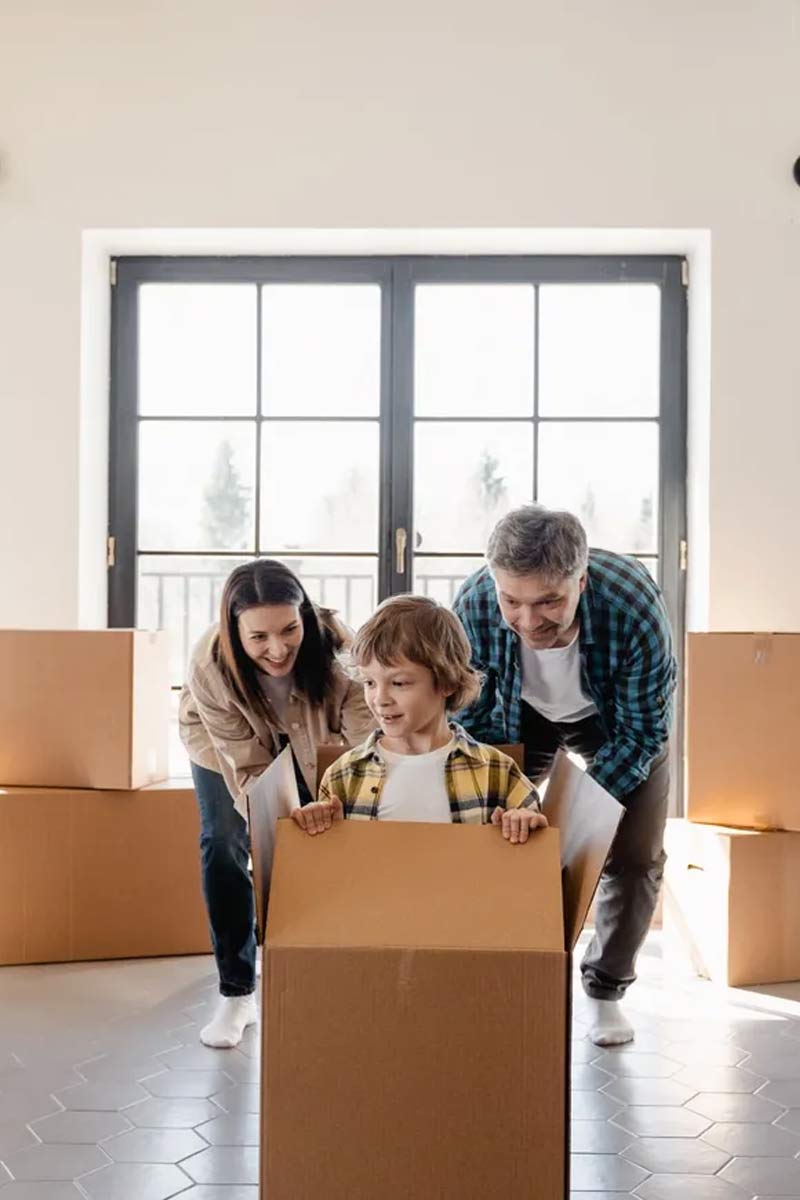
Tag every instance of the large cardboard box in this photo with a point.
(731, 899)
(93, 875)
(83, 708)
(416, 1004)
(742, 722)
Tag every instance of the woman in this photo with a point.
(268, 674)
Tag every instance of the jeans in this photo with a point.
(631, 879)
(228, 891)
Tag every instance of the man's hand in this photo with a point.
(317, 817)
(518, 823)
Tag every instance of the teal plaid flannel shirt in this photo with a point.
(627, 666)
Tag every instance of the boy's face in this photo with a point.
(402, 697)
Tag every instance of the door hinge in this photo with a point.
(111, 551)
(112, 271)
(684, 554)
(685, 272)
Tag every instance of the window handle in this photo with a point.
(400, 543)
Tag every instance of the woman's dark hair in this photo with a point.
(265, 581)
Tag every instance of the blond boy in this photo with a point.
(414, 660)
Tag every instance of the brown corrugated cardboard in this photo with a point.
(731, 898)
(83, 709)
(94, 874)
(742, 717)
(416, 1007)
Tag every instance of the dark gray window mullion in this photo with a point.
(124, 450)
(259, 425)
(401, 431)
(386, 437)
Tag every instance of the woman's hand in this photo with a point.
(518, 823)
(317, 817)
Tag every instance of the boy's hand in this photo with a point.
(517, 823)
(317, 817)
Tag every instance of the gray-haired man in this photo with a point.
(576, 651)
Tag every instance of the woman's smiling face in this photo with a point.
(271, 634)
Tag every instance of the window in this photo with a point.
(368, 420)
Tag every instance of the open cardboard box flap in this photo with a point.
(587, 818)
(419, 885)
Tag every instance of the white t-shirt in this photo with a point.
(414, 788)
(551, 682)
(277, 690)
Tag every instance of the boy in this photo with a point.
(414, 659)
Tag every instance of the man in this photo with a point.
(576, 652)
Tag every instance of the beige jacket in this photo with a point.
(224, 735)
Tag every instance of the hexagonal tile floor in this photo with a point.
(107, 1094)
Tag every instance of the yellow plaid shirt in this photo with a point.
(478, 778)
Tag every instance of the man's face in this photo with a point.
(539, 610)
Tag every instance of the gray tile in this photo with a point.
(774, 1065)
(241, 1098)
(584, 1051)
(101, 1097)
(790, 1120)
(175, 1114)
(767, 1176)
(649, 1091)
(598, 1137)
(785, 1092)
(752, 1139)
(591, 1195)
(14, 1135)
(593, 1106)
(41, 1191)
(242, 1129)
(705, 1078)
(661, 1121)
(609, 1171)
(179, 1085)
(154, 1145)
(587, 1078)
(730, 1106)
(715, 1054)
(76, 1128)
(119, 1069)
(136, 1181)
(244, 1191)
(197, 1058)
(23, 1105)
(689, 1187)
(682, 1156)
(224, 1164)
(248, 1192)
(245, 1070)
(55, 1162)
(645, 1066)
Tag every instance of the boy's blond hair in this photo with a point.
(424, 632)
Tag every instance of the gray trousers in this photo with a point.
(631, 880)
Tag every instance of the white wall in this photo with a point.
(429, 114)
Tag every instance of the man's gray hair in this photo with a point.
(534, 540)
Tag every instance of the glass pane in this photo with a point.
(607, 474)
(442, 577)
(652, 567)
(319, 486)
(599, 350)
(349, 585)
(197, 349)
(179, 767)
(474, 350)
(196, 485)
(321, 350)
(466, 476)
(182, 595)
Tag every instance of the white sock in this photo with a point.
(227, 1026)
(609, 1025)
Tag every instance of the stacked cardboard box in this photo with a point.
(98, 850)
(732, 888)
